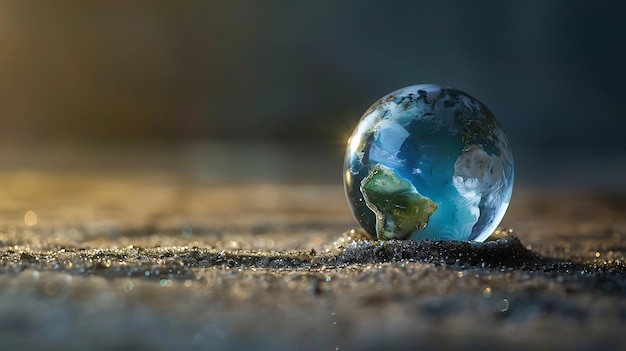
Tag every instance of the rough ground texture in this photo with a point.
(164, 261)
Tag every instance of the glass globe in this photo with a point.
(428, 162)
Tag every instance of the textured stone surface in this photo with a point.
(164, 260)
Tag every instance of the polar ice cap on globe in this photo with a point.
(428, 162)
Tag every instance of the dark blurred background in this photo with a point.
(303, 72)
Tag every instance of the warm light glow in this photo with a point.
(354, 142)
(30, 218)
(347, 177)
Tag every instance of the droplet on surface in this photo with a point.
(187, 232)
(503, 305)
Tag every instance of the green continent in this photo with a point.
(400, 209)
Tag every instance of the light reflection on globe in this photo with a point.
(428, 162)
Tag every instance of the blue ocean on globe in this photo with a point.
(428, 162)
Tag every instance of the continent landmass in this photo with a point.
(399, 208)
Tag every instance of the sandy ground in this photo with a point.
(106, 260)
